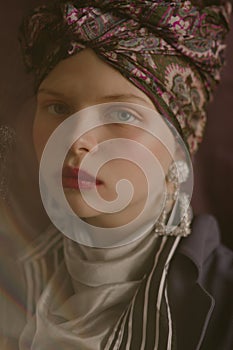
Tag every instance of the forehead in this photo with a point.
(87, 75)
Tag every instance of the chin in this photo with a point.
(83, 211)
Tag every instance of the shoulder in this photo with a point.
(204, 248)
(213, 261)
(214, 265)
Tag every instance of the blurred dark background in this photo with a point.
(213, 164)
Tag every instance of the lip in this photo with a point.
(78, 179)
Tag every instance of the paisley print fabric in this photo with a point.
(171, 50)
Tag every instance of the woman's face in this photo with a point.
(82, 81)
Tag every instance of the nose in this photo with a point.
(88, 142)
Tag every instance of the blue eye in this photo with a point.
(59, 109)
(122, 116)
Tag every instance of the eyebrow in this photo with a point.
(123, 97)
(50, 92)
(116, 97)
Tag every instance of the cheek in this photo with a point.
(41, 134)
(161, 153)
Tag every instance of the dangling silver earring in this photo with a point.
(7, 141)
(178, 172)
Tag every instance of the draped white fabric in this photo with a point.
(86, 297)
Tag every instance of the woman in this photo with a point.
(160, 290)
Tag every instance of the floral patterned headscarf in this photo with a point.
(171, 50)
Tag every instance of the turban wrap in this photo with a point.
(171, 50)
